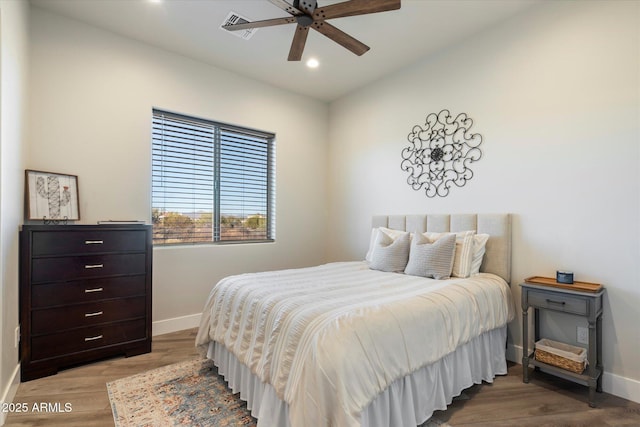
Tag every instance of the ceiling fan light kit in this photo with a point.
(306, 14)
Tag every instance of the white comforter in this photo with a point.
(330, 338)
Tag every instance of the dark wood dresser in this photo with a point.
(85, 294)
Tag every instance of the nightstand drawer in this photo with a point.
(79, 267)
(60, 344)
(87, 242)
(81, 291)
(558, 302)
(81, 315)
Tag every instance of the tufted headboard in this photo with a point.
(497, 258)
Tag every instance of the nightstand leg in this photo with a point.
(592, 393)
(599, 363)
(593, 361)
(525, 344)
(536, 328)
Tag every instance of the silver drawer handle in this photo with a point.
(97, 337)
(87, 291)
(93, 242)
(97, 313)
(94, 266)
(550, 301)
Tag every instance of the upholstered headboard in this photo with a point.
(497, 258)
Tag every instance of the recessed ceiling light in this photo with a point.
(154, 1)
(312, 63)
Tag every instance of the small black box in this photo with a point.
(565, 277)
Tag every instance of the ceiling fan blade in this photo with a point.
(341, 37)
(287, 7)
(355, 7)
(259, 24)
(299, 40)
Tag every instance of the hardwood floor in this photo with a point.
(545, 401)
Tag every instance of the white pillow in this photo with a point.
(429, 258)
(390, 254)
(374, 233)
(479, 248)
(464, 251)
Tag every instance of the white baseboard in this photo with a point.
(175, 324)
(514, 353)
(10, 392)
(626, 388)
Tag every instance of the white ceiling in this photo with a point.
(192, 28)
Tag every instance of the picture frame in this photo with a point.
(51, 196)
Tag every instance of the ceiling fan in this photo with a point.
(307, 14)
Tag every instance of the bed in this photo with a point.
(346, 345)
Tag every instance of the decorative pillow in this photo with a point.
(394, 234)
(431, 259)
(390, 254)
(479, 248)
(464, 251)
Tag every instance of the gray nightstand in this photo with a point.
(580, 299)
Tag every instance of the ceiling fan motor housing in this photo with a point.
(304, 20)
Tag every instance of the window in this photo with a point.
(211, 182)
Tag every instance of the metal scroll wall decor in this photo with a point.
(440, 152)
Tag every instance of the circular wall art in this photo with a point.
(440, 153)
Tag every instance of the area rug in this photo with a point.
(183, 394)
(190, 393)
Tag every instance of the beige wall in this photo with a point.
(555, 93)
(14, 39)
(91, 98)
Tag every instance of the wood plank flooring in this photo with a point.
(545, 401)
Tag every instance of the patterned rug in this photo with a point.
(183, 394)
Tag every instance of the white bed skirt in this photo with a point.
(407, 402)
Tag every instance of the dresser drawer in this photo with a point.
(59, 344)
(558, 302)
(75, 316)
(79, 267)
(86, 242)
(81, 291)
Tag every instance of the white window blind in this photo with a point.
(211, 182)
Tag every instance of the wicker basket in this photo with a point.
(562, 355)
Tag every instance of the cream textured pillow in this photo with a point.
(394, 234)
(479, 248)
(429, 259)
(464, 251)
(390, 254)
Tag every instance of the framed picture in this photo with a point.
(52, 196)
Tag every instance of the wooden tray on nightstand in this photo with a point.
(576, 286)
